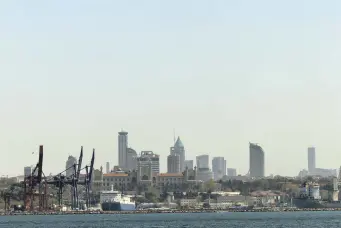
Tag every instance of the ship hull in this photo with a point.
(310, 203)
(117, 206)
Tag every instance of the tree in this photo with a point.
(210, 185)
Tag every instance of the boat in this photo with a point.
(309, 197)
(115, 201)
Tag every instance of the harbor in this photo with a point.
(154, 211)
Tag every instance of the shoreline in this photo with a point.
(170, 211)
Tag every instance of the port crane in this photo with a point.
(36, 184)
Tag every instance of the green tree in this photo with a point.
(210, 186)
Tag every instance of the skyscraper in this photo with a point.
(27, 171)
(122, 149)
(173, 163)
(218, 167)
(231, 172)
(203, 161)
(256, 161)
(179, 149)
(147, 158)
(311, 160)
(108, 167)
(69, 166)
(131, 157)
(189, 164)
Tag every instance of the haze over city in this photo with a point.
(222, 75)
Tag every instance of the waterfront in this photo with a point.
(212, 220)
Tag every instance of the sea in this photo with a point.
(175, 220)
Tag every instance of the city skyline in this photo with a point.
(221, 75)
(207, 160)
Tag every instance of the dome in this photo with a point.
(178, 143)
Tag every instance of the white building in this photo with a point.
(191, 202)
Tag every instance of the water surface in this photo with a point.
(211, 220)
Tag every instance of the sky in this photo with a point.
(221, 73)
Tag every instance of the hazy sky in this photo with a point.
(222, 73)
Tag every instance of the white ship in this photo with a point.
(115, 201)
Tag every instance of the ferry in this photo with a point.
(115, 201)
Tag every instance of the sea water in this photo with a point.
(177, 220)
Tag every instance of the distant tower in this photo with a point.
(131, 159)
(189, 164)
(256, 161)
(27, 171)
(173, 163)
(218, 167)
(122, 149)
(311, 160)
(68, 166)
(203, 161)
(108, 167)
(179, 149)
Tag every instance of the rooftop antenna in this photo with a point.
(174, 135)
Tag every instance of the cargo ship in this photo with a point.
(115, 201)
(309, 197)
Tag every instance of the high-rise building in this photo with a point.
(131, 159)
(173, 163)
(231, 172)
(311, 160)
(189, 164)
(203, 161)
(71, 161)
(108, 167)
(122, 149)
(256, 161)
(179, 149)
(148, 157)
(27, 171)
(218, 167)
